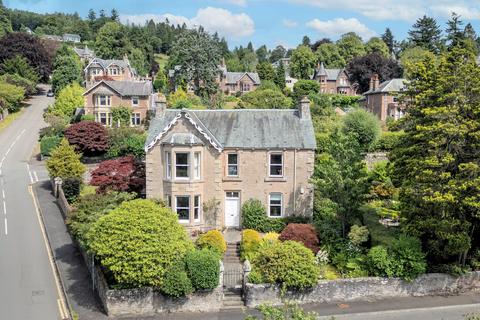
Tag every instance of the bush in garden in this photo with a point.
(271, 237)
(212, 240)
(249, 244)
(363, 126)
(287, 311)
(71, 188)
(126, 141)
(48, 143)
(287, 263)
(380, 263)
(203, 268)
(387, 141)
(64, 162)
(87, 117)
(90, 208)
(137, 242)
(122, 174)
(409, 259)
(358, 234)
(121, 116)
(19, 81)
(303, 233)
(254, 216)
(88, 137)
(326, 220)
(68, 99)
(176, 282)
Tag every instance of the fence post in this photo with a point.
(58, 185)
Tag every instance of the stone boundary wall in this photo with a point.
(364, 289)
(139, 301)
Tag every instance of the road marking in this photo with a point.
(4, 207)
(6, 228)
(35, 175)
(3, 193)
(62, 305)
(29, 173)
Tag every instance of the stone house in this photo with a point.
(114, 70)
(228, 82)
(382, 98)
(71, 37)
(102, 96)
(85, 54)
(206, 163)
(334, 81)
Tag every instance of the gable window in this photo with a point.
(103, 100)
(232, 165)
(275, 205)
(245, 86)
(196, 165)
(136, 119)
(135, 101)
(196, 208)
(182, 207)
(168, 165)
(181, 165)
(276, 165)
(113, 71)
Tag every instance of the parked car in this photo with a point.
(50, 93)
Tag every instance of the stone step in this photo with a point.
(228, 303)
(232, 298)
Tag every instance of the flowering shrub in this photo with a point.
(249, 245)
(303, 233)
(213, 240)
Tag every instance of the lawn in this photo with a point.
(161, 59)
(10, 118)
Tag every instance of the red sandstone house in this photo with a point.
(229, 82)
(382, 98)
(334, 81)
(102, 96)
(115, 70)
(207, 163)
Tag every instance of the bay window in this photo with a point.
(168, 165)
(196, 208)
(196, 165)
(181, 165)
(182, 207)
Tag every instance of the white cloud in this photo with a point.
(289, 23)
(406, 10)
(211, 19)
(339, 26)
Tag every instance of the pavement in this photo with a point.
(28, 285)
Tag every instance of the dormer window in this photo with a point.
(113, 71)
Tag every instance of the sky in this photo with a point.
(273, 22)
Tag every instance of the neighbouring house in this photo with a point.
(289, 81)
(334, 81)
(382, 98)
(284, 61)
(102, 96)
(207, 163)
(85, 54)
(52, 37)
(113, 70)
(71, 37)
(228, 82)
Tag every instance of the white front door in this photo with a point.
(232, 209)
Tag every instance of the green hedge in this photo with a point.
(203, 268)
(48, 143)
(254, 216)
(176, 282)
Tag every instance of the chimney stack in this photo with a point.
(160, 105)
(304, 108)
(374, 82)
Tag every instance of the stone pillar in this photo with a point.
(58, 184)
(220, 280)
(247, 268)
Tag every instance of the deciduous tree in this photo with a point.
(302, 62)
(351, 46)
(329, 54)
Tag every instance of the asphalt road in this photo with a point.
(28, 287)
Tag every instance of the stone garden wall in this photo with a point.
(364, 289)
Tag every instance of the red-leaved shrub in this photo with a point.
(300, 232)
(122, 174)
(88, 137)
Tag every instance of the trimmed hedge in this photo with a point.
(212, 240)
(254, 216)
(176, 282)
(203, 269)
(287, 263)
(303, 233)
(71, 188)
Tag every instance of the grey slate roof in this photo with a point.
(234, 77)
(180, 138)
(393, 85)
(127, 88)
(245, 128)
(332, 74)
(84, 51)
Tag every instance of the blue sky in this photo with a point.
(274, 22)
